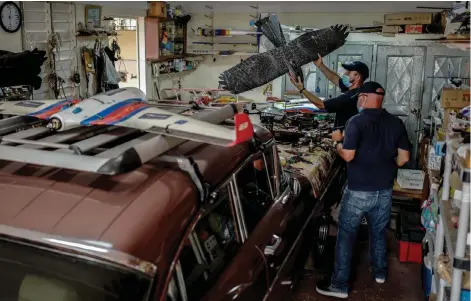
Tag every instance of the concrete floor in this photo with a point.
(403, 284)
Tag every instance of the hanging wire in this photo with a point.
(55, 82)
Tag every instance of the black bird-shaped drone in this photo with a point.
(262, 68)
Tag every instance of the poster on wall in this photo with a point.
(93, 16)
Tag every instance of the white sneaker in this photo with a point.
(380, 280)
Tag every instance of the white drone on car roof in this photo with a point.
(126, 107)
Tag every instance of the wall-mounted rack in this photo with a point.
(209, 37)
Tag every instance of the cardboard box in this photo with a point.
(455, 98)
(411, 179)
(446, 116)
(408, 18)
(391, 29)
(414, 29)
(157, 9)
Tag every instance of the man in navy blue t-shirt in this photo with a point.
(374, 144)
(345, 105)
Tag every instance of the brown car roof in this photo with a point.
(139, 213)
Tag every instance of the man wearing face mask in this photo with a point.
(374, 146)
(343, 105)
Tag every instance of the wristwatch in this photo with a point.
(301, 91)
(335, 144)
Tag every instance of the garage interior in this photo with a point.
(177, 55)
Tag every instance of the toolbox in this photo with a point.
(409, 234)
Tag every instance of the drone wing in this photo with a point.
(42, 109)
(155, 120)
(260, 69)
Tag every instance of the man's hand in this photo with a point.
(337, 136)
(318, 62)
(296, 82)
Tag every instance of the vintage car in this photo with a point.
(200, 223)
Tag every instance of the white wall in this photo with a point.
(10, 41)
(115, 8)
(309, 6)
(207, 73)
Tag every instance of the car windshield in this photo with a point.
(31, 273)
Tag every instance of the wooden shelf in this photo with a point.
(177, 73)
(92, 34)
(172, 57)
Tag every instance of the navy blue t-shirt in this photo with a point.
(344, 106)
(375, 135)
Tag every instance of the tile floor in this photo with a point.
(403, 284)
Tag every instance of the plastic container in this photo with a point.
(465, 295)
(410, 235)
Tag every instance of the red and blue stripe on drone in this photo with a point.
(116, 113)
(54, 108)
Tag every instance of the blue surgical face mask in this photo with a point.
(346, 81)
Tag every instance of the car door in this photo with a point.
(276, 239)
(266, 234)
(245, 274)
(294, 210)
(248, 276)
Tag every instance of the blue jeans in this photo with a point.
(376, 207)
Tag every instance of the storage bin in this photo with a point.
(410, 234)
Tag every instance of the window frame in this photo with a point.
(177, 280)
(237, 213)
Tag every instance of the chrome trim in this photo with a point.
(277, 169)
(181, 281)
(268, 175)
(196, 246)
(76, 247)
(235, 206)
(238, 209)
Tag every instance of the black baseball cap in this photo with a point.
(371, 87)
(359, 67)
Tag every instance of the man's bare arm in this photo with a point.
(346, 154)
(331, 75)
(403, 156)
(314, 99)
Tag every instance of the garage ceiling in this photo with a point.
(309, 6)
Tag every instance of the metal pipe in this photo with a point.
(461, 240)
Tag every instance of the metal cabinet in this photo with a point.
(442, 63)
(400, 70)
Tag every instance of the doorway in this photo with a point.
(127, 65)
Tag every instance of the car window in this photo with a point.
(31, 273)
(206, 252)
(255, 191)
